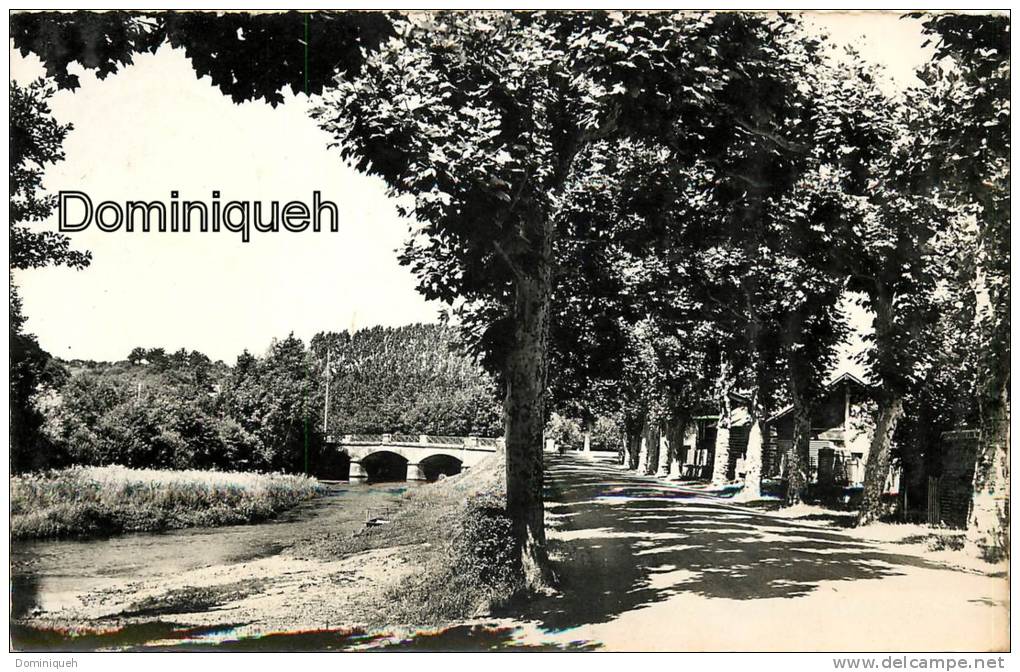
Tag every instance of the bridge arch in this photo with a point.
(384, 466)
(333, 465)
(421, 457)
(440, 464)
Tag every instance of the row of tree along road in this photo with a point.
(635, 211)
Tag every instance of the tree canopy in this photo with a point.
(633, 215)
(248, 56)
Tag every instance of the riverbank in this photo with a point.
(642, 566)
(430, 562)
(454, 539)
(82, 502)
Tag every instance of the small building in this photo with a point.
(697, 454)
(842, 426)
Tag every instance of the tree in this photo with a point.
(139, 415)
(944, 396)
(885, 251)
(412, 380)
(33, 373)
(482, 118)
(965, 161)
(815, 243)
(308, 48)
(737, 244)
(898, 284)
(36, 141)
(948, 161)
(273, 399)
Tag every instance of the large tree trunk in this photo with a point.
(634, 431)
(890, 409)
(755, 448)
(666, 450)
(525, 414)
(799, 457)
(642, 462)
(721, 461)
(876, 471)
(988, 522)
(753, 460)
(651, 448)
(753, 454)
(675, 437)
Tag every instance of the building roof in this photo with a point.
(845, 377)
(741, 399)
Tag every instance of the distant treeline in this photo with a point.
(181, 410)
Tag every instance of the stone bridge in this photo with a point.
(418, 457)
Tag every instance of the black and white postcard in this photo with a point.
(510, 330)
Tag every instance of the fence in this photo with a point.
(490, 443)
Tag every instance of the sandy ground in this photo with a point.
(642, 567)
(247, 579)
(652, 571)
(278, 593)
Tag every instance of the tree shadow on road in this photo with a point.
(622, 542)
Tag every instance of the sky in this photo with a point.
(154, 127)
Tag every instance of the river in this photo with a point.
(47, 575)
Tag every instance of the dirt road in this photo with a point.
(643, 567)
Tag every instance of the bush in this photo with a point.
(606, 434)
(475, 571)
(485, 547)
(566, 432)
(90, 501)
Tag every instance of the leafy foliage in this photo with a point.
(485, 546)
(566, 432)
(413, 380)
(248, 56)
(36, 141)
(87, 501)
(182, 411)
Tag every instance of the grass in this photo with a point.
(98, 501)
(457, 536)
(192, 599)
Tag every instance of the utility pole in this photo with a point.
(325, 410)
